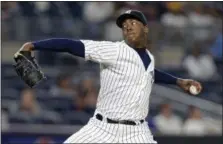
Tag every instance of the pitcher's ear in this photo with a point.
(146, 29)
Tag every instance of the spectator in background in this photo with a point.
(96, 13)
(152, 12)
(174, 17)
(29, 110)
(29, 104)
(4, 17)
(9, 16)
(89, 102)
(9, 9)
(75, 9)
(175, 22)
(200, 65)
(4, 121)
(87, 94)
(88, 85)
(201, 22)
(30, 23)
(216, 48)
(27, 9)
(90, 99)
(73, 18)
(78, 102)
(63, 86)
(166, 122)
(111, 31)
(194, 125)
(216, 52)
(42, 9)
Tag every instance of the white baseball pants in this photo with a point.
(97, 131)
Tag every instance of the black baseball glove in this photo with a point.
(27, 68)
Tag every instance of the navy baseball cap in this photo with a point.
(131, 14)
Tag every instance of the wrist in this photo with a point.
(27, 47)
(179, 81)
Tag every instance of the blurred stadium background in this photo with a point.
(186, 40)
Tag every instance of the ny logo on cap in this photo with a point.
(128, 12)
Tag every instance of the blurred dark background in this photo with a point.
(186, 40)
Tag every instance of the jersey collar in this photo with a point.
(137, 49)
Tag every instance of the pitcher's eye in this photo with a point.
(133, 23)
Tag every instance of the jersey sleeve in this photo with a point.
(104, 52)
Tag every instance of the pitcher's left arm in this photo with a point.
(185, 84)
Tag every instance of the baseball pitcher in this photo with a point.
(127, 74)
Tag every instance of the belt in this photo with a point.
(127, 122)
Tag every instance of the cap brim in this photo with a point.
(123, 17)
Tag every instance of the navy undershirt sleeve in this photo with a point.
(164, 78)
(74, 47)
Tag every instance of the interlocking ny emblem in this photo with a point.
(129, 11)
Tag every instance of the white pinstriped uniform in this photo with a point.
(124, 95)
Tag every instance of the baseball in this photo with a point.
(193, 90)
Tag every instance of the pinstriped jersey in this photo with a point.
(125, 83)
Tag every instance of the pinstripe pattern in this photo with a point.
(137, 134)
(124, 94)
(125, 86)
(94, 132)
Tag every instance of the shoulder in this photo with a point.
(205, 56)
(177, 118)
(189, 58)
(98, 42)
(99, 45)
(158, 117)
